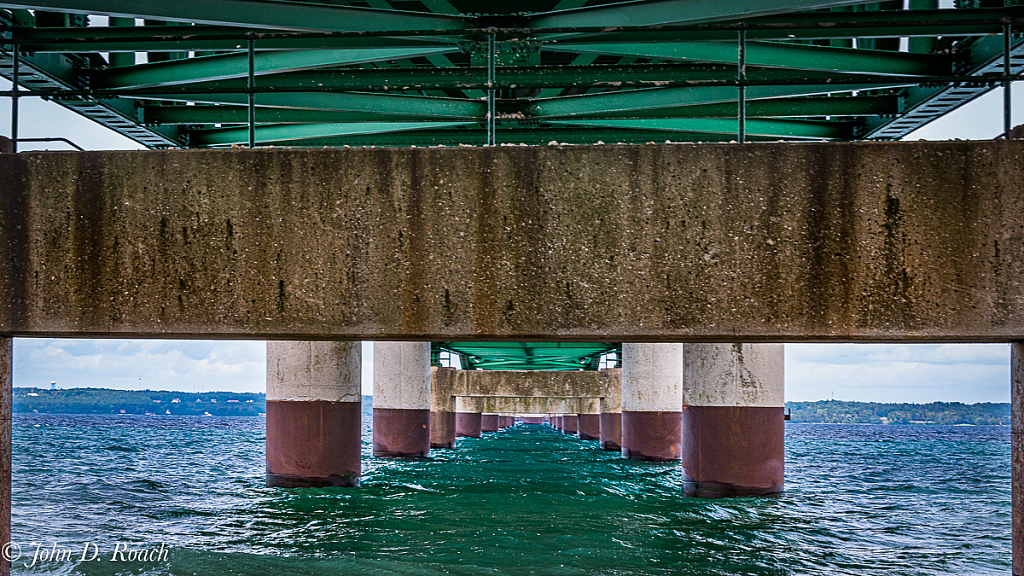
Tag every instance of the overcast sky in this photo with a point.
(864, 372)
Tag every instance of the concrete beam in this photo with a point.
(902, 241)
(530, 384)
(508, 405)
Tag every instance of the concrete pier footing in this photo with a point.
(6, 409)
(313, 414)
(652, 400)
(467, 420)
(442, 408)
(401, 399)
(570, 424)
(489, 422)
(1017, 453)
(733, 426)
(588, 426)
(611, 410)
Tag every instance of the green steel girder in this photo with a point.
(259, 14)
(777, 108)
(646, 99)
(225, 66)
(394, 105)
(296, 133)
(765, 127)
(662, 12)
(527, 355)
(775, 55)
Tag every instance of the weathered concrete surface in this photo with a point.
(314, 371)
(442, 408)
(552, 405)
(903, 241)
(401, 375)
(734, 375)
(1017, 449)
(6, 409)
(530, 384)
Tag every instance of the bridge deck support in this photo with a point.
(489, 423)
(401, 399)
(313, 414)
(1017, 442)
(652, 401)
(6, 405)
(611, 410)
(467, 420)
(588, 426)
(442, 408)
(733, 423)
(570, 424)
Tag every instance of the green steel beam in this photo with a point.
(775, 55)
(299, 132)
(225, 66)
(638, 14)
(781, 107)
(259, 14)
(770, 128)
(392, 104)
(627, 100)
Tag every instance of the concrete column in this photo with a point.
(652, 401)
(733, 419)
(611, 410)
(1017, 451)
(313, 414)
(467, 419)
(489, 423)
(6, 382)
(442, 408)
(401, 399)
(588, 426)
(570, 424)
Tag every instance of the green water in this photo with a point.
(529, 500)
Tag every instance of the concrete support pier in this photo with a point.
(401, 399)
(489, 422)
(442, 408)
(611, 410)
(652, 401)
(467, 419)
(6, 408)
(588, 426)
(733, 419)
(570, 424)
(313, 414)
(1017, 451)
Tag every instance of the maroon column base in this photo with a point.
(611, 431)
(557, 423)
(401, 433)
(489, 423)
(569, 424)
(313, 444)
(442, 429)
(467, 424)
(733, 451)
(651, 436)
(588, 426)
(533, 420)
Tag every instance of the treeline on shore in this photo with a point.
(946, 413)
(107, 401)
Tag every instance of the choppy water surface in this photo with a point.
(529, 500)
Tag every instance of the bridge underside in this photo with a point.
(674, 243)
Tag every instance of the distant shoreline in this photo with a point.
(97, 401)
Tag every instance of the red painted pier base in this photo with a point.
(732, 450)
(442, 429)
(311, 444)
(651, 436)
(557, 423)
(489, 423)
(533, 420)
(467, 424)
(401, 432)
(569, 424)
(611, 431)
(588, 426)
